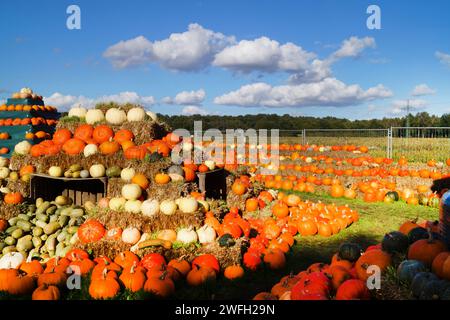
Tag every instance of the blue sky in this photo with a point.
(232, 57)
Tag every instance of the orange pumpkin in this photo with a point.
(13, 198)
(83, 132)
(109, 147)
(140, 180)
(102, 133)
(61, 135)
(73, 146)
(28, 169)
(162, 178)
(123, 135)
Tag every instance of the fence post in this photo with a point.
(389, 143)
(303, 136)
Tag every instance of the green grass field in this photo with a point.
(376, 219)
(415, 149)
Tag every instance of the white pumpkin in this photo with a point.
(90, 150)
(94, 115)
(4, 173)
(115, 116)
(4, 162)
(131, 235)
(55, 171)
(133, 206)
(187, 235)
(84, 174)
(187, 205)
(26, 90)
(97, 170)
(152, 115)
(210, 164)
(11, 260)
(5, 190)
(79, 112)
(150, 207)
(22, 148)
(127, 174)
(206, 234)
(131, 191)
(168, 207)
(117, 203)
(136, 114)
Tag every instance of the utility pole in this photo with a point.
(407, 118)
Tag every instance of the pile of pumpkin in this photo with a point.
(345, 277)
(107, 278)
(371, 190)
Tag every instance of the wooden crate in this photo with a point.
(213, 183)
(79, 190)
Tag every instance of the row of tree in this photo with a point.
(288, 122)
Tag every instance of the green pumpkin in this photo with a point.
(418, 233)
(395, 242)
(226, 240)
(349, 251)
(388, 199)
(433, 202)
(407, 270)
(113, 172)
(393, 195)
(434, 290)
(419, 281)
(423, 200)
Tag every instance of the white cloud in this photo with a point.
(328, 92)
(263, 54)
(400, 106)
(65, 102)
(444, 58)
(353, 47)
(186, 98)
(191, 50)
(191, 110)
(198, 48)
(422, 90)
(130, 53)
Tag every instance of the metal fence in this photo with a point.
(418, 144)
(421, 143)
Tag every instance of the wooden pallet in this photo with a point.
(213, 183)
(79, 190)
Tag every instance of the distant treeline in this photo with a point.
(288, 122)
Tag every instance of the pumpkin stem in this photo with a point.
(104, 273)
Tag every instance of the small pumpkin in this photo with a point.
(395, 242)
(408, 269)
(46, 292)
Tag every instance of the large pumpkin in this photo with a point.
(102, 133)
(425, 250)
(61, 135)
(73, 146)
(375, 257)
(123, 135)
(136, 152)
(109, 147)
(91, 231)
(83, 132)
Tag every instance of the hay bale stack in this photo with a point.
(153, 224)
(19, 186)
(144, 131)
(8, 211)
